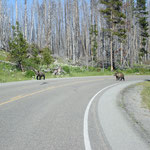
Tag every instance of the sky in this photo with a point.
(11, 3)
(29, 1)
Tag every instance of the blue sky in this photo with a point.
(29, 1)
(11, 3)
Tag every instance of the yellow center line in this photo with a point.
(46, 89)
(11, 100)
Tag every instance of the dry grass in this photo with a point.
(146, 94)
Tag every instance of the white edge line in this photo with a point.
(86, 114)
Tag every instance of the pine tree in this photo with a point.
(33, 59)
(47, 58)
(115, 23)
(142, 16)
(18, 47)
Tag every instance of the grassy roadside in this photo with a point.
(145, 94)
(3, 55)
(9, 73)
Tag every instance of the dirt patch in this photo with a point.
(140, 116)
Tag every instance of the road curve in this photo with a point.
(119, 129)
(49, 114)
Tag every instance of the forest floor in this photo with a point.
(138, 112)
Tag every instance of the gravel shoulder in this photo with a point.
(139, 115)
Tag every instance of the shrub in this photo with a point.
(47, 58)
(137, 70)
(66, 69)
(29, 73)
(91, 69)
(129, 71)
(76, 69)
(31, 63)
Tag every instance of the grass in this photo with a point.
(9, 73)
(3, 55)
(87, 73)
(145, 94)
(136, 71)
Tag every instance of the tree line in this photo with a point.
(104, 33)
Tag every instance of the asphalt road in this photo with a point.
(54, 114)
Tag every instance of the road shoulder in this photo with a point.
(132, 105)
(117, 126)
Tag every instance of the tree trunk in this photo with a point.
(121, 54)
(25, 19)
